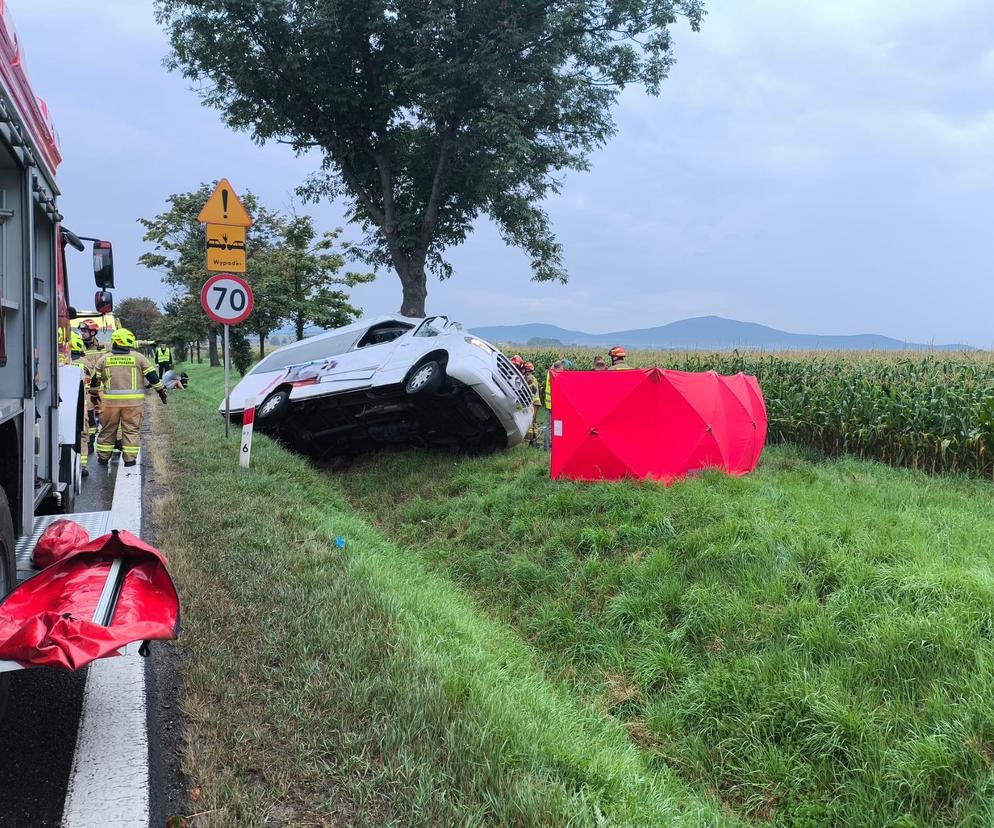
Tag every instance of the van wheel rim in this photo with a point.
(420, 379)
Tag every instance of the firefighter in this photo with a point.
(528, 372)
(617, 354)
(163, 357)
(79, 358)
(88, 330)
(556, 366)
(93, 349)
(121, 375)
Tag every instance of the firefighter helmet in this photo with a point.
(76, 343)
(123, 338)
(528, 368)
(617, 352)
(89, 326)
(517, 361)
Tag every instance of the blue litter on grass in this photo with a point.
(340, 542)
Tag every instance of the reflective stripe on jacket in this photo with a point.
(121, 375)
(533, 385)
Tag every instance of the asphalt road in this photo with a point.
(38, 730)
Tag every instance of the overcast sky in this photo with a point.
(824, 166)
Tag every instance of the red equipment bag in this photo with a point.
(654, 423)
(48, 620)
(58, 540)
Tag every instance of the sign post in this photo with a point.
(226, 298)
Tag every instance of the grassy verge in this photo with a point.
(813, 643)
(357, 685)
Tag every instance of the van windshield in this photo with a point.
(308, 351)
(432, 326)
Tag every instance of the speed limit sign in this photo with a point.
(226, 299)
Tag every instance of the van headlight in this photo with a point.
(479, 343)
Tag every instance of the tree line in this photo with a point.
(299, 277)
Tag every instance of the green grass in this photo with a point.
(360, 686)
(813, 643)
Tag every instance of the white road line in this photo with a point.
(108, 785)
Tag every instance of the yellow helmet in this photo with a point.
(123, 338)
(76, 343)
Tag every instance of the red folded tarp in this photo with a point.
(654, 423)
(48, 620)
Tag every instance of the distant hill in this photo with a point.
(704, 332)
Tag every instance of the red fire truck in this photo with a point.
(41, 392)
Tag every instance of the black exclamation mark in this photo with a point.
(224, 202)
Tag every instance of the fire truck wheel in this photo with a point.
(68, 474)
(8, 575)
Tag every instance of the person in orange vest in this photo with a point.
(121, 375)
(617, 354)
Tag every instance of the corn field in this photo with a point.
(928, 411)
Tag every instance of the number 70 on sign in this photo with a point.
(227, 299)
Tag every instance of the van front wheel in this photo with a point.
(425, 380)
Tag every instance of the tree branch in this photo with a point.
(435, 197)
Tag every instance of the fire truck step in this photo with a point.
(96, 523)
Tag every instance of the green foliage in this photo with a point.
(297, 277)
(813, 642)
(139, 314)
(241, 351)
(429, 114)
(926, 411)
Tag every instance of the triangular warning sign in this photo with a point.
(224, 207)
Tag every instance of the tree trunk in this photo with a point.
(212, 349)
(199, 359)
(415, 286)
(299, 322)
(262, 345)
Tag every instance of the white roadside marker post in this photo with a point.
(248, 419)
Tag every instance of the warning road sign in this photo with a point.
(224, 207)
(225, 248)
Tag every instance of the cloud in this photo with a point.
(819, 166)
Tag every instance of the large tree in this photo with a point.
(139, 314)
(429, 113)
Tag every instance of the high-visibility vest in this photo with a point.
(121, 375)
(163, 355)
(548, 389)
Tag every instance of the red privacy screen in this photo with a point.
(653, 423)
